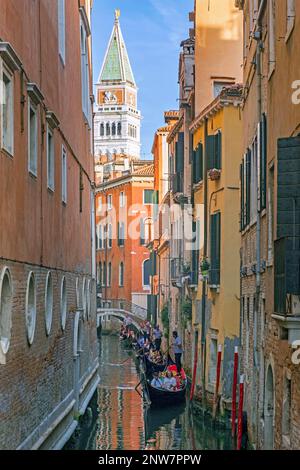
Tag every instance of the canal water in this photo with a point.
(124, 422)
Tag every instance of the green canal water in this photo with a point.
(118, 418)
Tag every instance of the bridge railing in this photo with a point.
(122, 304)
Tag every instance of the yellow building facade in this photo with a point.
(217, 136)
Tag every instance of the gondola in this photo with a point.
(153, 366)
(159, 396)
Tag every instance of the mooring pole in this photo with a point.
(234, 385)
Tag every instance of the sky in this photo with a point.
(153, 31)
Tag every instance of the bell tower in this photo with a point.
(117, 119)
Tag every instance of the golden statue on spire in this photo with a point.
(117, 14)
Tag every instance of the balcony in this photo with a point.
(287, 285)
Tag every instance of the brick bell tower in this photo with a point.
(117, 120)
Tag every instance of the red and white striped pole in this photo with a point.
(240, 415)
(219, 360)
(234, 385)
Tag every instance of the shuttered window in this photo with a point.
(198, 164)
(248, 186)
(242, 224)
(263, 162)
(214, 151)
(215, 249)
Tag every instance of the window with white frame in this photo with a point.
(253, 190)
(62, 29)
(32, 138)
(77, 293)
(84, 72)
(109, 202)
(84, 296)
(109, 236)
(48, 303)
(64, 172)
(88, 299)
(63, 303)
(50, 158)
(122, 199)
(5, 313)
(109, 275)
(30, 308)
(146, 273)
(290, 17)
(121, 274)
(272, 38)
(7, 111)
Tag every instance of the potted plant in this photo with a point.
(204, 266)
(214, 174)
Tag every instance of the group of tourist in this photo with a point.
(166, 381)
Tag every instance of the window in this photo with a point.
(109, 236)
(86, 105)
(109, 275)
(104, 275)
(213, 361)
(109, 202)
(148, 196)
(77, 293)
(5, 313)
(290, 18)
(148, 230)
(108, 129)
(63, 303)
(88, 300)
(30, 310)
(198, 164)
(215, 249)
(122, 199)
(253, 184)
(270, 214)
(214, 150)
(61, 30)
(101, 129)
(64, 191)
(119, 128)
(121, 274)
(84, 297)
(272, 38)
(32, 138)
(113, 129)
(121, 233)
(218, 87)
(100, 274)
(50, 159)
(142, 232)
(146, 273)
(7, 112)
(48, 303)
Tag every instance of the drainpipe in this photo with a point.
(203, 319)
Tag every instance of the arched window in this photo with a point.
(109, 236)
(5, 310)
(30, 310)
(77, 293)
(84, 305)
(109, 275)
(148, 228)
(88, 299)
(108, 129)
(119, 128)
(146, 272)
(104, 275)
(63, 303)
(100, 275)
(121, 274)
(113, 129)
(102, 129)
(48, 303)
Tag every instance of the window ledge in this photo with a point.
(10, 57)
(32, 175)
(50, 190)
(272, 69)
(7, 153)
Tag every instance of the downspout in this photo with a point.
(203, 319)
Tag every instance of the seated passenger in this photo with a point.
(169, 382)
(156, 381)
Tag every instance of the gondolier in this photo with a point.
(177, 349)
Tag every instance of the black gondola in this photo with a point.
(160, 396)
(153, 366)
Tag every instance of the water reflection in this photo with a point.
(124, 423)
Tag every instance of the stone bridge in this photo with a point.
(120, 309)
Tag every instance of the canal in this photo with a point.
(123, 422)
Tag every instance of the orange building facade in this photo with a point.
(48, 344)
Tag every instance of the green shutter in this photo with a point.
(200, 161)
(210, 151)
(215, 249)
(242, 195)
(263, 162)
(248, 185)
(218, 151)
